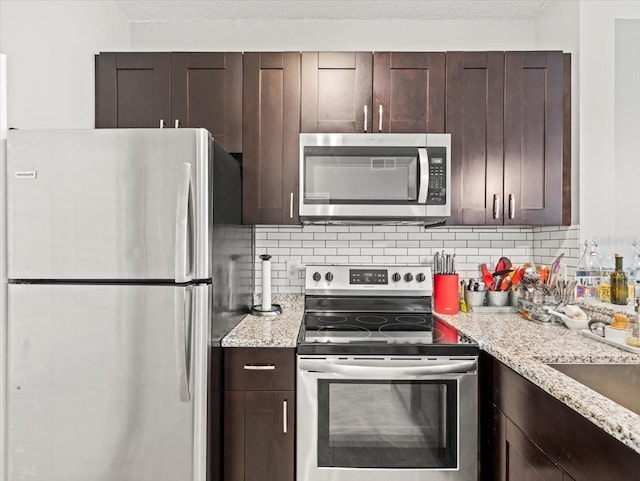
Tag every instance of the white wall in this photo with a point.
(50, 47)
(366, 35)
(627, 128)
(605, 210)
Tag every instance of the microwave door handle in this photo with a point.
(358, 371)
(424, 175)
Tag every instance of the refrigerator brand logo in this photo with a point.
(26, 174)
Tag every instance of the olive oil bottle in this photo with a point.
(619, 288)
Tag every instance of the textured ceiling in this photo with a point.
(191, 10)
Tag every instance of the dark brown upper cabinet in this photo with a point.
(537, 138)
(357, 92)
(408, 92)
(509, 115)
(271, 137)
(147, 90)
(336, 92)
(206, 91)
(133, 89)
(475, 119)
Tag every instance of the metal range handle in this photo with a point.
(423, 159)
(496, 206)
(285, 416)
(259, 367)
(365, 118)
(512, 206)
(184, 211)
(380, 118)
(357, 370)
(182, 319)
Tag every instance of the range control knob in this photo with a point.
(420, 277)
(316, 276)
(396, 277)
(408, 277)
(328, 276)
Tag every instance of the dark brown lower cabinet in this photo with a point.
(520, 459)
(530, 435)
(259, 414)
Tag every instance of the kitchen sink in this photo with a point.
(618, 382)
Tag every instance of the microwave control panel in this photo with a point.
(437, 189)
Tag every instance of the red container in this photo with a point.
(446, 289)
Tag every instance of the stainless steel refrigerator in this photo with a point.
(124, 251)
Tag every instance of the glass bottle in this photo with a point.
(588, 273)
(607, 266)
(619, 289)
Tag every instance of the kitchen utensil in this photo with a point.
(502, 273)
(487, 278)
(517, 277)
(555, 267)
(503, 263)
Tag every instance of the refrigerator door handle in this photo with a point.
(181, 348)
(184, 225)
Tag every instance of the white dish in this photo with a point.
(623, 346)
(571, 323)
(616, 334)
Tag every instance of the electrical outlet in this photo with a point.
(292, 270)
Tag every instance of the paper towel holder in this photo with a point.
(266, 308)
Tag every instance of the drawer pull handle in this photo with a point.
(285, 420)
(259, 367)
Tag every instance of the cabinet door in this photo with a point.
(258, 437)
(336, 92)
(206, 91)
(271, 131)
(520, 459)
(537, 138)
(475, 118)
(133, 90)
(408, 92)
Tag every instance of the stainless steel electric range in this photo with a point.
(385, 391)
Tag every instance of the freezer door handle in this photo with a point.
(183, 312)
(184, 226)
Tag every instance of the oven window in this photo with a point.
(347, 175)
(387, 424)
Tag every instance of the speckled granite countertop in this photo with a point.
(526, 347)
(277, 331)
(522, 345)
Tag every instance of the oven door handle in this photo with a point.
(358, 370)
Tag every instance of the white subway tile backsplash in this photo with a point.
(317, 244)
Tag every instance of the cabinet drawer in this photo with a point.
(259, 369)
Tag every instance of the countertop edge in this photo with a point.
(606, 414)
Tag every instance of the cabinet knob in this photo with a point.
(496, 206)
(162, 123)
(380, 118)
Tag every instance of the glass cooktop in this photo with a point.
(354, 327)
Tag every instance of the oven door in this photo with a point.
(368, 176)
(387, 419)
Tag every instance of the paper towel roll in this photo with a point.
(266, 282)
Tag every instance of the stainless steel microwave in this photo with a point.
(375, 178)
